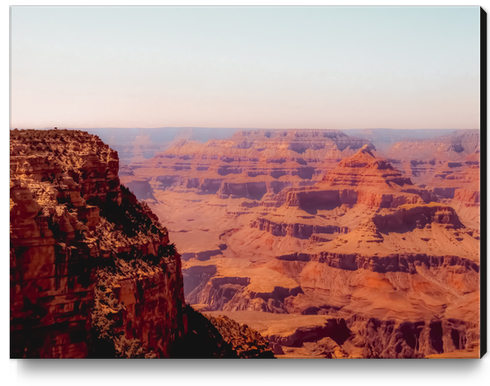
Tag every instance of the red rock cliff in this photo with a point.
(92, 272)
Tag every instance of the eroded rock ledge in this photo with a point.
(396, 262)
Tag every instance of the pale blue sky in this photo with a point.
(295, 67)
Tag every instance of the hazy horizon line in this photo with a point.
(230, 127)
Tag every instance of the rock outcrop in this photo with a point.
(92, 270)
(323, 336)
(361, 179)
(245, 341)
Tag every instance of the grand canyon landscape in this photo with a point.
(284, 184)
(257, 243)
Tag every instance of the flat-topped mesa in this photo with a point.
(91, 268)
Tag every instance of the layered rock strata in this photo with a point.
(356, 257)
(92, 270)
(448, 167)
(249, 164)
(422, 159)
(322, 336)
(361, 179)
(398, 271)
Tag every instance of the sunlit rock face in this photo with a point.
(92, 271)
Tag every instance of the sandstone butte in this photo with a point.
(321, 244)
(92, 270)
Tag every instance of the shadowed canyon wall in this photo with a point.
(92, 270)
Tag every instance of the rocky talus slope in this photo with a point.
(92, 270)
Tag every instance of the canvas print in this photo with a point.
(245, 182)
